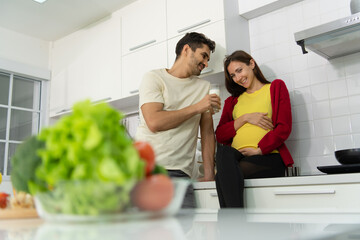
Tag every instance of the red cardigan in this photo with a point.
(281, 117)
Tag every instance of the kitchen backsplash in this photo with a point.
(325, 95)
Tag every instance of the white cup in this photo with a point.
(215, 89)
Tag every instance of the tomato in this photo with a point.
(146, 153)
(153, 193)
(3, 199)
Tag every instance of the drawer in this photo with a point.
(207, 198)
(312, 198)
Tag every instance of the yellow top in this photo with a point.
(249, 135)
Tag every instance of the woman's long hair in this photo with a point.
(240, 56)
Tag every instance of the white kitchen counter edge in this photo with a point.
(291, 181)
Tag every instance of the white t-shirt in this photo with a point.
(174, 148)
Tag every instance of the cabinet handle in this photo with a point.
(134, 91)
(101, 100)
(194, 25)
(213, 194)
(304, 192)
(207, 70)
(62, 111)
(142, 45)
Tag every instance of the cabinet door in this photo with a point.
(183, 16)
(95, 72)
(58, 88)
(87, 65)
(136, 64)
(143, 24)
(214, 31)
(207, 198)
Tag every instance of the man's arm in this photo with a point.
(207, 146)
(159, 120)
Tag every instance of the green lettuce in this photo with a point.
(88, 146)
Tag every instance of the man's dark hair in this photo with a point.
(194, 40)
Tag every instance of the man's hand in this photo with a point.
(209, 102)
(250, 151)
(206, 179)
(259, 119)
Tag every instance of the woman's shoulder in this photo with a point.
(231, 100)
(277, 82)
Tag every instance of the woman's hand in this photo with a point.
(250, 151)
(259, 119)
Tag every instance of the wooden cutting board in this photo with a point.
(18, 213)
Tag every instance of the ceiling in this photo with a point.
(54, 19)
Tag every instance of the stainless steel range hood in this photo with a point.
(333, 39)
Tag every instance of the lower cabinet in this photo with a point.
(320, 198)
(312, 198)
(207, 198)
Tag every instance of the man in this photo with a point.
(173, 104)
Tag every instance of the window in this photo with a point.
(20, 114)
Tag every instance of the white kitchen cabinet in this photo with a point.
(87, 65)
(58, 88)
(136, 64)
(304, 194)
(309, 198)
(215, 32)
(207, 198)
(252, 9)
(229, 31)
(183, 16)
(143, 24)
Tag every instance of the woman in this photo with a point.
(255, 122)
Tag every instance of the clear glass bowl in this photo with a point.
(80, 202)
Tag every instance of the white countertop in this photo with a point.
(291, 181)
(189, 225)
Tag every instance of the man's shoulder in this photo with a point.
(155, 72)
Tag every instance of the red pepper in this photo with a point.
(3, 199)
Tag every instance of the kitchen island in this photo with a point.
(194, 224)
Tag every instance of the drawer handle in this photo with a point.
(305, 192)
(101, 100)
(134, 91)
(213, 194)
(142, 45)
(62, 111)
(194, 25)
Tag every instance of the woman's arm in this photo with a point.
(225, 130)
(282, 118)
(227, 127)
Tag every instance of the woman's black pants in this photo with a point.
(233, 167)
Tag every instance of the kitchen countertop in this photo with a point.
(199, 224)
(292, 181)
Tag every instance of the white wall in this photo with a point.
(325, 95)
(24, 54)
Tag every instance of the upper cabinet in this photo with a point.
(143, 25)
(144, 45)
(135, 65)
(107, 60)
(185, 15)
(215, 32)
(252, 9)
(86, 65)
(219, 20)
